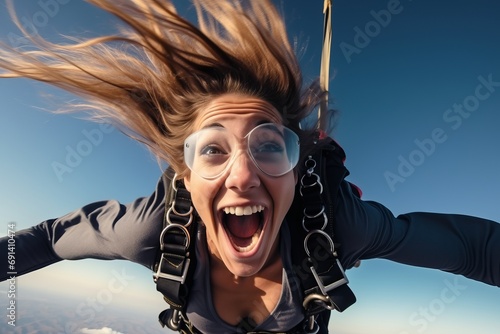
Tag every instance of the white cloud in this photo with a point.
(104, 330)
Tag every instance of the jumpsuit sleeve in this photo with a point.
(459, 244)
(102, 230)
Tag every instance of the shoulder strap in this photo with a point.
(316, 263)
(175, 265)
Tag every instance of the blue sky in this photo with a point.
(399, 82)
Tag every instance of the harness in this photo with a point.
(316, 264)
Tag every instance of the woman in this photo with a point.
(173, 87)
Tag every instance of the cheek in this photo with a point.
(283, 194)
(202, 195)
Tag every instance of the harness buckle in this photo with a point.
(159, 274)
(325, 289)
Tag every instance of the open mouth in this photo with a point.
(243, 225)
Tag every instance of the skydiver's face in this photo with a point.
(241, 206)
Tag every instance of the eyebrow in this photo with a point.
(264, 122)
(279, 133)
(212, 125)
(218, 125)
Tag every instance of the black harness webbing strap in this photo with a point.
(175, 264)
(316, 264)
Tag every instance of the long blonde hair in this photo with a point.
(157, 73)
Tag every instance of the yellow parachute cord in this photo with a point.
(325, 64)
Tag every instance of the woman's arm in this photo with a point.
(459, 244)
(101, 230)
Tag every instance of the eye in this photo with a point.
(211, 150)
(269, 152)
(269, 147)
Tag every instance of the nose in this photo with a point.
(243, 174)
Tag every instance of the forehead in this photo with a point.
(236, 107)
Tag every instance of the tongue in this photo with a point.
(243, 226)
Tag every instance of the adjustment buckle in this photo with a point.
(325, 289)
(160, 274)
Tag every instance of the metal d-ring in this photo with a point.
(174, 181)
(172, 208)
(185, 225)
(314, 215)
(325, 221)
(315, 183)
(180, 227)
(323, 233)
(310, 164)
(327, 302)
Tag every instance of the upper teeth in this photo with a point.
(243, 210)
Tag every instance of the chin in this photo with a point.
(245, 271)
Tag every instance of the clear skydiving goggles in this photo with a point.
(273, 148)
